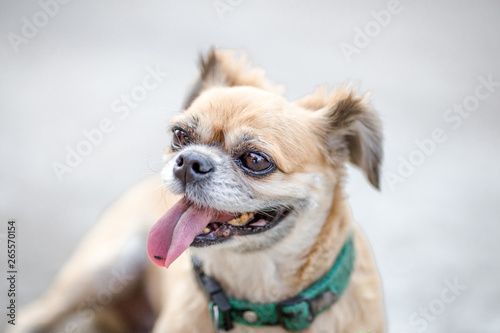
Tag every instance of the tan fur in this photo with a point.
(324, 251)
(233, 107)
(230, 68)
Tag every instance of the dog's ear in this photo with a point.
(228, 68)
(351, 128)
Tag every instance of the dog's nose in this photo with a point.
(191, 166)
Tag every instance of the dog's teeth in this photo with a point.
(206, 230)
(235, 222)
(244, 218)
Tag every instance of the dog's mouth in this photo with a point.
(241, 225)
(186, 224)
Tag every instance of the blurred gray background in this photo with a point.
(435, 223)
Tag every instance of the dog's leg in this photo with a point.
(104, 267)
(107, 265)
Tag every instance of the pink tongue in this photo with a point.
(175, 231)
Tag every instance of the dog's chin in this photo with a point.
(242, 225)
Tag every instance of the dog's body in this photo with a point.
(251, 151)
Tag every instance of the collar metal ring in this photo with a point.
(215, 309)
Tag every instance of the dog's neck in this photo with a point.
(291, 265)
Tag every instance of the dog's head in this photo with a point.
(249, 164)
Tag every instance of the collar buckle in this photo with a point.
(295, 313)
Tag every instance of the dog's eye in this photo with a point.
(258, 163)
(181, 138)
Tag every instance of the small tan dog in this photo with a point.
(255, 192)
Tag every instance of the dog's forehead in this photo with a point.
(224, 114)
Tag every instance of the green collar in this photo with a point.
(293, 314)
